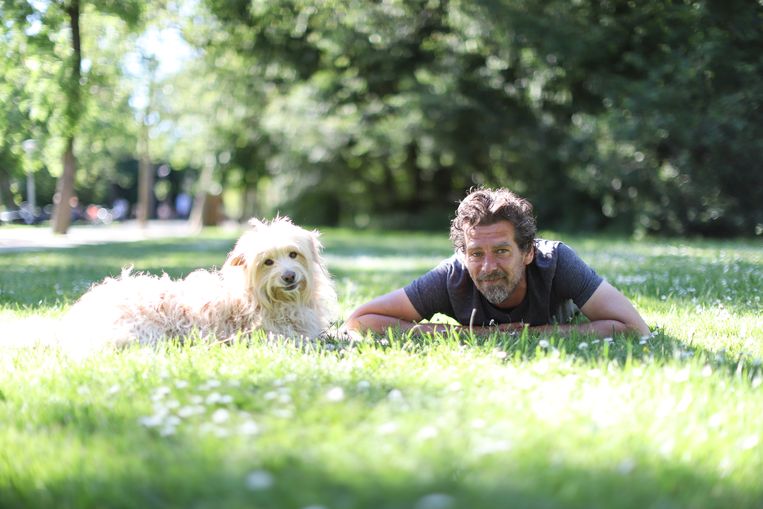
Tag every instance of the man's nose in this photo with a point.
(489, 263)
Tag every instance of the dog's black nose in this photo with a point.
(288, 277)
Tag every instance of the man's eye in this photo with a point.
(293, 254)
(475, 255)
(268, 262)
(502, 251)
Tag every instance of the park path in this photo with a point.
(34, 238)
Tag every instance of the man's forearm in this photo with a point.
(381, 323)
(377, 323)
(601, 328)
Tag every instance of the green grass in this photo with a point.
(437, 422)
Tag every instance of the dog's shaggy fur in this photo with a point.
(274, 280)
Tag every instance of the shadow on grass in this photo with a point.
(127, 250)
(53, 277)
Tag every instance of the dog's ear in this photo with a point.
(237, 256)
(235, 259)
(315, 244)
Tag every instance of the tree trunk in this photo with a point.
(145, 181)
(145, 168)
(414, 199)
(62, 215)
(249, 200)
(6, 196)
(197, 219)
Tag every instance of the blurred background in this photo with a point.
(632, 117)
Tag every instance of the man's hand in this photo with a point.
(512, 327)
(395, 310)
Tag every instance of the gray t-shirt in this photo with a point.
(554, 277)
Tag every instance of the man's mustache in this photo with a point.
(492, 276)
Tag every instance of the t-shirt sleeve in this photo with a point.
(574, 278)
(429, 293)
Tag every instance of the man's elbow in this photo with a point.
(636, 328)
(362, 322)
(354, 322)
(353, 328)
(611, 327)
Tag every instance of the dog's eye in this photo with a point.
(268, 262)
(293, 254)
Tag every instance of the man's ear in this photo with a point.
(529, 256)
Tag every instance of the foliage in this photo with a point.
(52, 109)
(20, 115)
(396, 421)
(647, 115)
(639, 117)
(664, 104)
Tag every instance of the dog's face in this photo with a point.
(279, 259)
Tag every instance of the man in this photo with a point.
(502, 278)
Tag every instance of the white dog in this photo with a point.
(274, 280)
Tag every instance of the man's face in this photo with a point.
(496, 264)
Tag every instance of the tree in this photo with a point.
(380, 109)
(663, 119)
(21, 118)
(145, 168)
(62, 214)
(48, 20)
(646, 114)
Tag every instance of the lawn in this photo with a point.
(435, 422)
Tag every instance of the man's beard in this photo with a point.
(497, 291)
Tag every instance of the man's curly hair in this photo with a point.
(484, 207)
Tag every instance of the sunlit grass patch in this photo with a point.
(372, 422)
